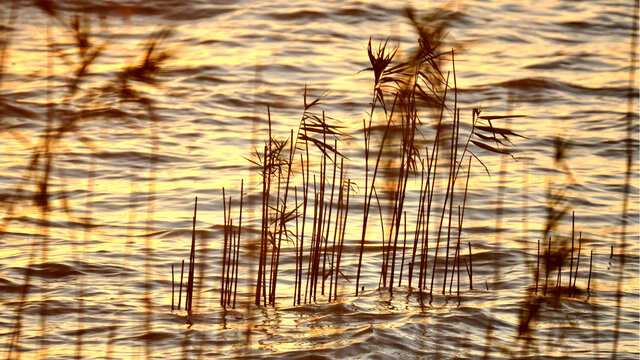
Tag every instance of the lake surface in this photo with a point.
(86, 267)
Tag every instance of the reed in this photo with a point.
(575, 277)
(224, 249)
(237, 261)
(470, 268)
(172, 287)
(573, 231)
(590, 269)
(337, 226)
(341, 243)
(180, 291)
(538, 267)
(192, 261)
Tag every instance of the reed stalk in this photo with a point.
(573, 230)
(455, 132)
(192, 260)
(296, 246)
(283, 218)
(341, 246)
(547, 270)
(336, 230)
(180, 291)
(235, 285)
(419, 220)
(575, 276)
(590, 269)
(470, 268)
(224, 249)
(404, 246)
(328, 226)
(537, 267)
(172, 287)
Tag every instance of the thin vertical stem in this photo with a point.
(404, 246)
(235, 285)
(470, 268)
(573, 228)
(180, 291)
(537, 267)
(575, 277)
(590, 269)
(224, 249)
(344, 226)
(192, 260)
(173, 285)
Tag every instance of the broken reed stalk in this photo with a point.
(180, 291)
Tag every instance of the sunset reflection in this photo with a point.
(342, 179)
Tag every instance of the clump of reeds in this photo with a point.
(418, 87)
(559, 251)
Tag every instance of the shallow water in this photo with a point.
(91, 276)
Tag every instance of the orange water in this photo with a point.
(563, 64)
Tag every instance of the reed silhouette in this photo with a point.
(414, 131)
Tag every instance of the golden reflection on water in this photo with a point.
(214, 158)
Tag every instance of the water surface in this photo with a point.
(91, 275)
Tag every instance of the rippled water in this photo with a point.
(91, 275)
